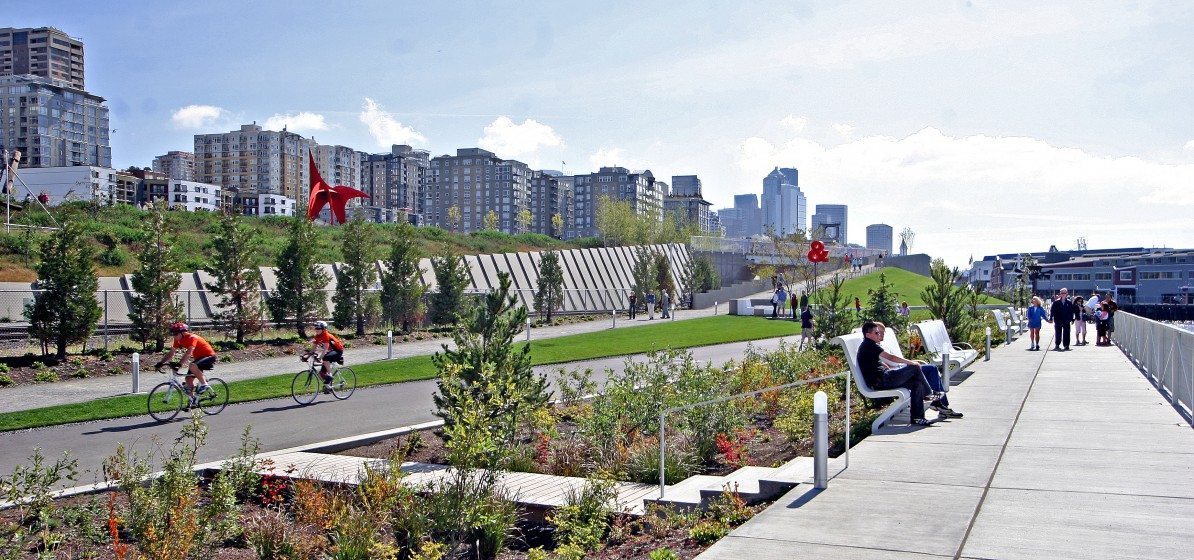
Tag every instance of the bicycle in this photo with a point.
(306, 385)
(169, 398)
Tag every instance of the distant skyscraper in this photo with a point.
(42, 51)
(783, 205)
(551, 195)
(879, 236)
(176, 165)
(686, 200)
(744, 218)
(832, 220)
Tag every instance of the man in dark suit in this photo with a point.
(1063, 313)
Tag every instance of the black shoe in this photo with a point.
(946, 412)
(923, 422)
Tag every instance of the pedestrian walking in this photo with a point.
(632, 301)
(651, 306)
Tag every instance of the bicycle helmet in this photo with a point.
(320, 325)
(179, 327)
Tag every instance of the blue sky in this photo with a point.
(983, 126)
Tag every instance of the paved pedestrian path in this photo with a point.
(1060, 455)
(27, 397)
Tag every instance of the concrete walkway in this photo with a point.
(27, 397)
(1060, 455)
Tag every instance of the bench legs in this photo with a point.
(901, 402)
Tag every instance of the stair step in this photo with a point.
(745, 479)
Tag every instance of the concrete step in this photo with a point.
(787, 476)
(686, 494)
(744, 480)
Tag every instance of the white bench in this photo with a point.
(935, 338)
(1005, 324)
(903, 397)
(1018, 320)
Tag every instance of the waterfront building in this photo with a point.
(637, 188)
(42, 51)
(830, 221)
(395, 182)
(1140, 275)
(880, 236)
(462, 189)
(176, 165)
(784, 207)
(686, 201)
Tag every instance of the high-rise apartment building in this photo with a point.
(744, 219)
(396, 181)
(42, 51)
(551, 195)
(879, 236)
(463, 189)
(638, 188)
(339, 165)
(784, 207)
(685, 200)
(830, 223)
(252, 161)
(176, 165)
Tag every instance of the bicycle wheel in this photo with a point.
(344, 382)
(213, 400)
(305, 387)
(165, 401)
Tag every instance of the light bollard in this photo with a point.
(820, 441)
(613, 318)
(389, 345)
(1008, 336)
(715, 308)
(136, 372)
(987, 358)
(528, 329)
(945, 350)
(673, 312)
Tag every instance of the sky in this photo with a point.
(983, 126)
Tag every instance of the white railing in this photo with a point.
(1165, 353)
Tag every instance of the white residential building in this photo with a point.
(194, 197)
(275, 205)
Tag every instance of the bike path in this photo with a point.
(282, 423)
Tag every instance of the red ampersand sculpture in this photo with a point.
(817, 252)
(322, 193)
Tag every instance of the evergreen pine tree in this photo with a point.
(300, 296)
(486, 372)
(66, 311)
(663, 275)
(643, 273)
(883, 305)
(237, 280)
(451, 277)
(153, 306)
(401, 289)
(551, 285)
(357, 275)
(947, 301)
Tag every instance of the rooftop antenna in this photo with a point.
(1081, 243)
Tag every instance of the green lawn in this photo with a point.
(908, 285)
(617, 342)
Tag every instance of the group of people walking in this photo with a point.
(663, 302)
(1065, 313)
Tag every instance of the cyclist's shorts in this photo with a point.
(206, 364)
(336, 356)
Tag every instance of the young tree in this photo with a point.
(551, 285)
(883, 305)
(947, 301)
(300, 294)
(834, 317)
(491, 220)
(237, 279)
(353, 300)
(452, 278)
(153, 306)
(485, 374)
(454, 218)
(401, 290)
(704, 274)
(663, 275)
(643, 273)
(66, 311)
(524, 219)
(557, 226)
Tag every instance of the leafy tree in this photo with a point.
(454, 218)
(704, 274)
(834, 316)
(946, 300)
(452, 278)
(300, 294)
(353, 301)
(153, 306)
(237, 279)
(557, 226)
(485, 376)
(66, 311)
(643, 273)
(401, 289)
(491, 220)
(663, 275)
(883, 305)
(524, 219)
(551, 285)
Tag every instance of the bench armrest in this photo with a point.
(963, 346)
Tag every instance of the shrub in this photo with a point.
(5, 380)
(796, 417)
(4, 368)
(45, 375)
(583, 519)
(31, 487)
(708, 531)
(642, 462)
(663, 554)
(272, 536)
(79, 373)
(729, 508)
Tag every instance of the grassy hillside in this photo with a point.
(908, 285)
(115, 230)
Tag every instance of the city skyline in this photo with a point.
(961, 120)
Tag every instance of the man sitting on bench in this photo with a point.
(877, 376)
(932, 374)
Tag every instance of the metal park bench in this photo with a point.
(935, 338)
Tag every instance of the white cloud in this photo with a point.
(304, 121)
(1189, 147)
(844, 130)
(510, 140)
(197, 116)
(616, 157)
(958, 192)
(386, 129)
(795, 123)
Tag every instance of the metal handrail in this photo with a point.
(665, 412)
(1164, 353)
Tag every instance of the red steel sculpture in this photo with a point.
(322, 193)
